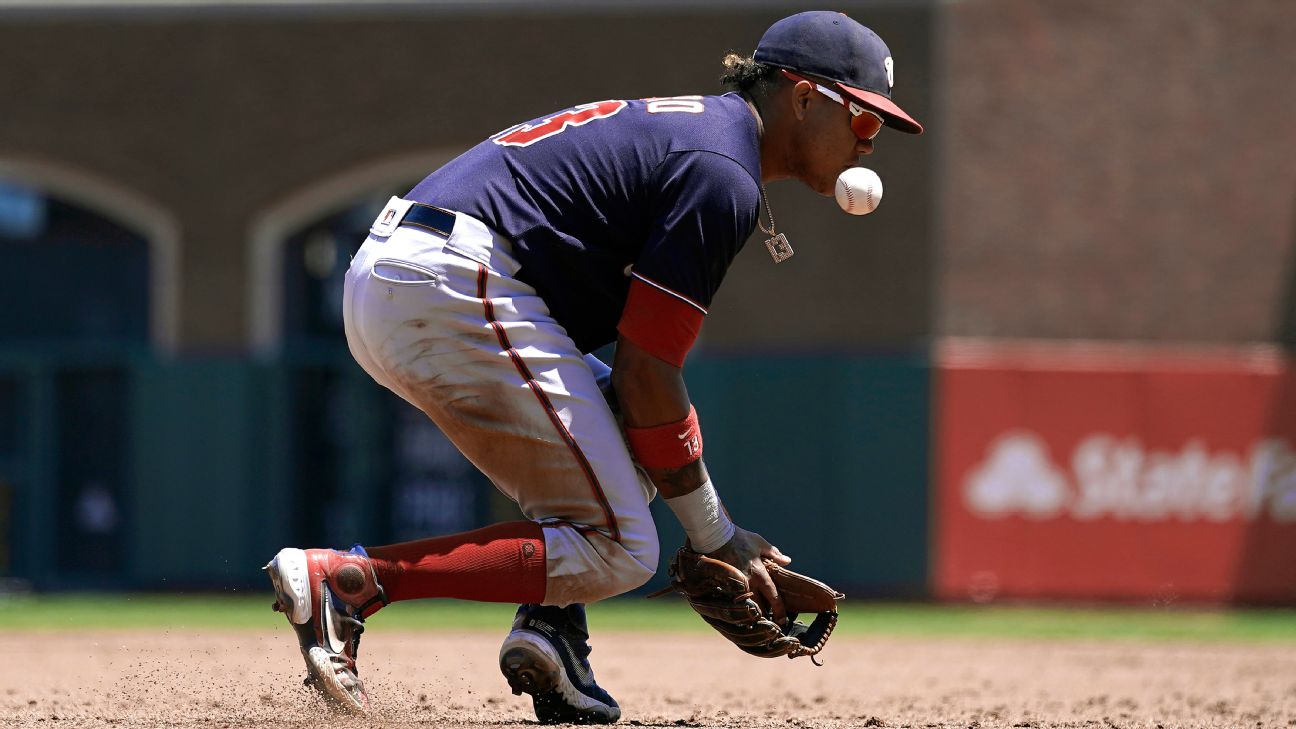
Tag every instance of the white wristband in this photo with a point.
(707, 525)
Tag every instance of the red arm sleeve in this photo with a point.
(662, 322)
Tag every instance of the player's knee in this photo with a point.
(648, 554)
(623, 580)
(637, 565)
(645, 555)
(591, 566)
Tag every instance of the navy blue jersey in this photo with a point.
(664, 191)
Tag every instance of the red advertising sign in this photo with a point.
(1105, 472)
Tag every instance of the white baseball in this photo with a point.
(859, 190)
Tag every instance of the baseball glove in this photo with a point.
(721, 594)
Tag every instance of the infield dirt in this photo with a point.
(253, 679)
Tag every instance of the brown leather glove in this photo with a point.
(721, 594)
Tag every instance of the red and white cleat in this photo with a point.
(325, 594)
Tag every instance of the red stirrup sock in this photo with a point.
(499, 563)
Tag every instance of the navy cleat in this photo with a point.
(547, 656)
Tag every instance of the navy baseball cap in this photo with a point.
(832, 46)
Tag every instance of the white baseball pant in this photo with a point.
(442, 322)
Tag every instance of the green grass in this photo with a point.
(861, 618)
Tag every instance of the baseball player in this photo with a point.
(478, 296)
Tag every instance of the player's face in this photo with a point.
(827, 143)
(865, 122)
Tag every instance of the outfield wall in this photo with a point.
(223, 461)
(1058, 470)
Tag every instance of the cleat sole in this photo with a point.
(326, 681)
(531, 666)
(529, 671)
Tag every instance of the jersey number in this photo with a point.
(677, 104)
(527, 134)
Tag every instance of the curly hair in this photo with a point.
(745, 74)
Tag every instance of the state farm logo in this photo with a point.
(1120, 479)
(1017, 477)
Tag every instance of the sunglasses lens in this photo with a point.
(866, 126)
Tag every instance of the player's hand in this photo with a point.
(746, 551)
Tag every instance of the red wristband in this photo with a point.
(672, 445)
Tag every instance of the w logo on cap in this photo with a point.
(889, 65)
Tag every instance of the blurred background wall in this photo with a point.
(1126, 168)
(1114, 411)
(181, 185)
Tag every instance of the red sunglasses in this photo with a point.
(866, 123)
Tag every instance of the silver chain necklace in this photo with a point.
(777, 244)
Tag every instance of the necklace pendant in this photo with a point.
(779, 248)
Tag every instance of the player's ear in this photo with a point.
(800, 96)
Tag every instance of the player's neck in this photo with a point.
(773, 165)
